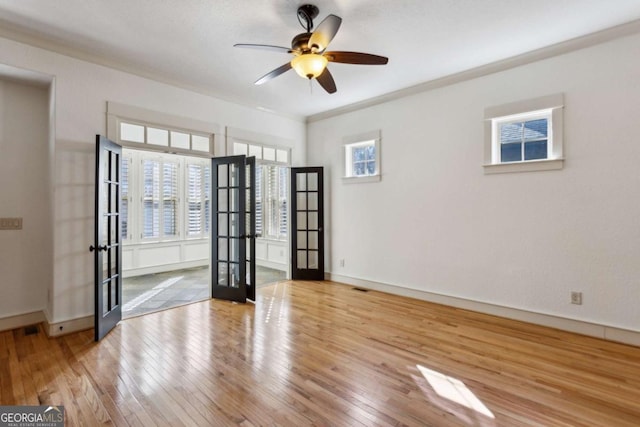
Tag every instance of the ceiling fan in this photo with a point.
(309, 50)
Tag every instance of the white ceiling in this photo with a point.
(190, 42)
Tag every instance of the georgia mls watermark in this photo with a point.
(32, 416)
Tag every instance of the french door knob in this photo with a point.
(100, 248)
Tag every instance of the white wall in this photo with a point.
(82, 90)
(436, 223)
(25, 255)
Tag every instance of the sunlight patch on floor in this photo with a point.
(454, 390)
(142, 298)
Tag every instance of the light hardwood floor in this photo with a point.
(319, 353)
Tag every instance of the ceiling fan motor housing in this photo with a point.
(300, 43)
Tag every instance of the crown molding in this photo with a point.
(557, 49)
(18, 34)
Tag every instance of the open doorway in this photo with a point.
(165, 201)
(166, 216)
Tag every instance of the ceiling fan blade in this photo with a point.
(325, 32)
(273, 74)
(356, 58)
(326, 81)
(263, 47)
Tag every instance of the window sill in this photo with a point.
(360, 179)
(528, 166)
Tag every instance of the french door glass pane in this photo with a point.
(234, 175)
(313, 201)
(105, 298)
(235, 199)
(222, 249)
(313, 240)
(223, 274)
(223, 219)
(114, 292)
(301, 201)
(223, 202)
(312, 181)
(235, 275)
(313, 221)
(223, 172)
(313, 259)
(302, 240)
(302, 220)
(301, 182)
(302, 259)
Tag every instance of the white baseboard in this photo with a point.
(571, 325)
(68, 326)
(271, 264)
(133, 272)
(21, 320)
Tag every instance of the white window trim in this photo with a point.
(552, 106)
(352, 141)
(117, 113)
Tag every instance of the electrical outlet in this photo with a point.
(576, 298)
(342, 263)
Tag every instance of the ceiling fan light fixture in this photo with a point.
(309, 65)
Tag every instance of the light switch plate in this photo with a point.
(10, 223)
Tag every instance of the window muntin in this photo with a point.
(363, 158)
(163, 137)
(524, 140)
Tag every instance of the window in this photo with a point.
(157, 136)
(124, 197)
(198, 202)
(524, 140)
(159, 199)
(362, 158)
(273, 204)
(271, 187)
(524, 136)
(171, 195)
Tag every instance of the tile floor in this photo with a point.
(155, 292)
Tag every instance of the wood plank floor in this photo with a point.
(319, 353)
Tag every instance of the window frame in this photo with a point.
(140, 219)
(204, 199)
(135, 197)
(367, 139)
(550, 107)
